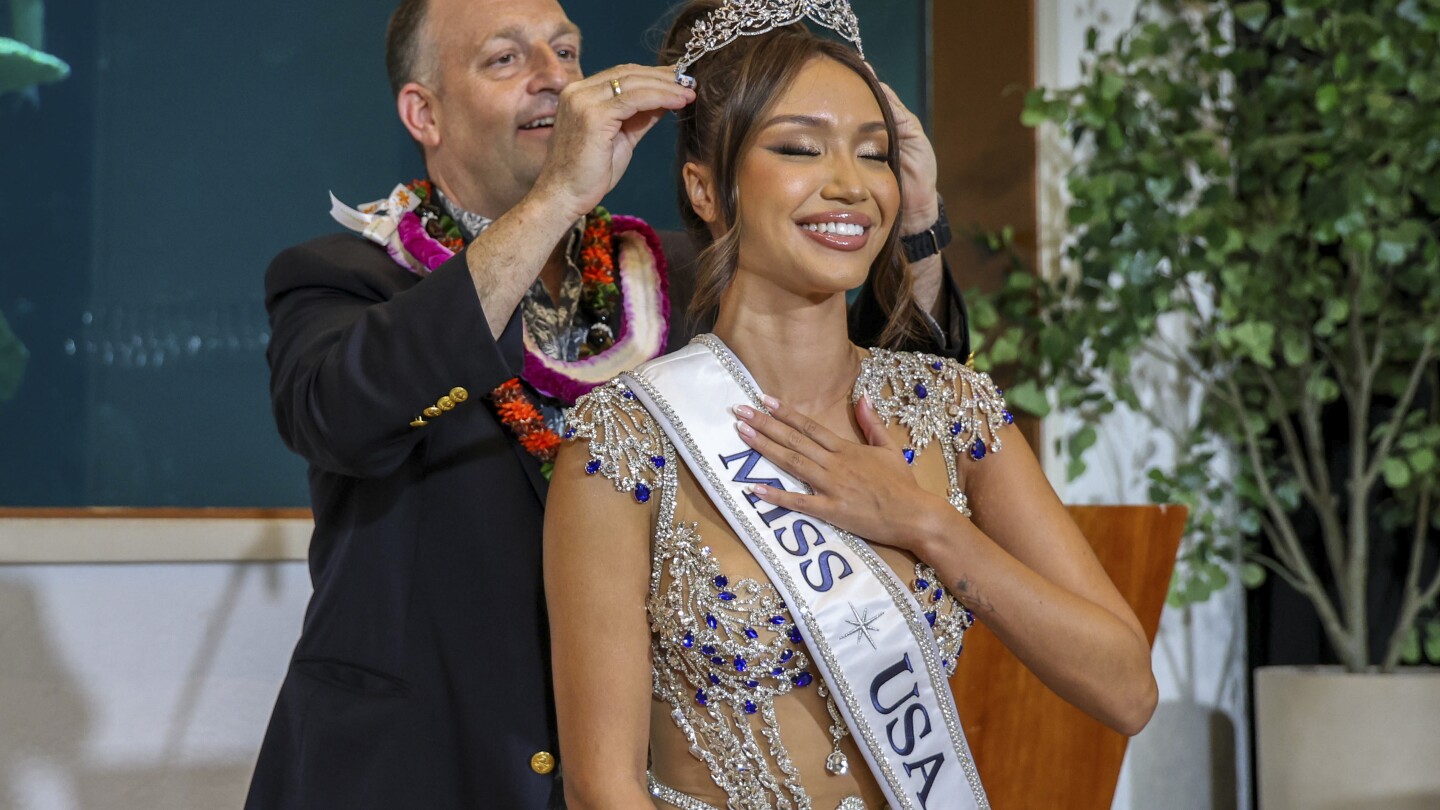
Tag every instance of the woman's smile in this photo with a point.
(838, 230)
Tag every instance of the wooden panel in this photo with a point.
(1032, 748)
(983, 63)
(93, 535)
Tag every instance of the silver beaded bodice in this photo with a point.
(725, 650)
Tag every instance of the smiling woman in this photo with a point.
(784, 596)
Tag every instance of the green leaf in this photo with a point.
(982, 311)
(1028, 397)
(1033, 117)
(1252, 574)
(1111, 85)
(1322, 389)
(1396, 472)
(1423, 460)
(1410, 648)
(1432, 641)
(1327, 98)
(1253, 15)
(1083, 440)
(1257, 339)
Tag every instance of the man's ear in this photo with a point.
(420, 113)
(704, 197)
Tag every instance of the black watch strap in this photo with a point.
(928, 242)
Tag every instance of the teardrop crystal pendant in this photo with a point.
(837, 763)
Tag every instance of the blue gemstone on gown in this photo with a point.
(629, 394)
(658, 461)
(642, 493)
(795, 637)
(708, 649)
(955, 429)
(786, 656)
(726, 596)
(777, 619)
(689, 640)
(978, 451)
(945, 663)
(714, 679)
(930, 617)
(593, 467)
(803, 680)
(922, 585)
(751, 684)
(569, 433)
(920, 391)
(909, 455)
(1009, 417)
(939, 592)
(710, 620)
(750, 633)
(718, 661)
(721, 581)
(937, 365)
(777, 671)
(700, 697)
(739, 664)
(750, 707)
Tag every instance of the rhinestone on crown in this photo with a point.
(748, 18)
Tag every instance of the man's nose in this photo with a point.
(551, 72)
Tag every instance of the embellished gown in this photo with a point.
(739, 716)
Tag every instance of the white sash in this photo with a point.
(870, 640)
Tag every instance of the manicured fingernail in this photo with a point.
(760, 490)
(745, 430)
(744, 411)
(770, 402)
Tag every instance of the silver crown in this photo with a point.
(748, 18)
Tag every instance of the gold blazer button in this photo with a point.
(459, 394)
(418, 421)
(445, 404)
(543, 762)
(432, 411)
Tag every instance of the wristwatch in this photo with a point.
(930, 241)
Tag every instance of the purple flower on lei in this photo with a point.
(421, 245)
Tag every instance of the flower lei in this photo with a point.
(431, 236)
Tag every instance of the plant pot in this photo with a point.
(1327, 739)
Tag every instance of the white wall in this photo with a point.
(1194, 754)
(140, 686)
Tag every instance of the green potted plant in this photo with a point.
(1255, 204)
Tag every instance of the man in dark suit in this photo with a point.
(421, 677)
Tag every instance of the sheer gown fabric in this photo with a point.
(739, 717)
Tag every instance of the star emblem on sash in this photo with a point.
(863, 625)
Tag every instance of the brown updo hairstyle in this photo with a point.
(737, 86)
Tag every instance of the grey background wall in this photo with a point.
(144, 196)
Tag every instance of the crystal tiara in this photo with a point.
(748, 18)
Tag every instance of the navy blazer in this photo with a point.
(421, 678)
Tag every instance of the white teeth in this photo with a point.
(836, 228)
(543, 122)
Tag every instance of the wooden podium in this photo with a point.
(1033, 749)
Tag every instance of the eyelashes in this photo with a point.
(791, 150)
